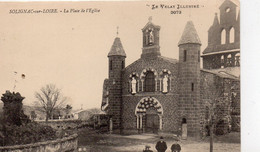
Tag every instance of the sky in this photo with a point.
(70, 49)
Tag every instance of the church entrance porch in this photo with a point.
(149, 115)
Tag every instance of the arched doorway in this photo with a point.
(184, 128)
(152, 120)
(149, 115)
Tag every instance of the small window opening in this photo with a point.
(184, 121)
(192, 86)
(185, 56)
(123, 64)
(227, 10)
(110, 65)
(199, 56)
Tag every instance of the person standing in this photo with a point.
(147, 149)
(176, 146)
(161, 145)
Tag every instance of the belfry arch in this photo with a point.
(146, 107)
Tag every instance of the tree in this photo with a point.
(216, 102)
(50, 98)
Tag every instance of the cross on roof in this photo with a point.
(117, 31)
(150, 19)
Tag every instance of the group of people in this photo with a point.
(161, 146)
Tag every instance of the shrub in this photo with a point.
(26, 133)
(13, 113)
(15, 126)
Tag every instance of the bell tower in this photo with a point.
(151, 47)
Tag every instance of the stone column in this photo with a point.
(138, 85)
(160, 120)
(130, 86)
(142, 85)
(141, 121)
(155, 84)
(160, 84)
(110, 125)
(137, 121)
(170, 84)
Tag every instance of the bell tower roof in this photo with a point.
(117, 48)
(150, 24)
(216, 22)
(189, 35)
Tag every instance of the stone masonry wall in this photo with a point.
(215, 87)
(189, 88)
(68, 144)
(169, 101)
(115, 89)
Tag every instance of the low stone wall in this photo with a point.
(66, 144)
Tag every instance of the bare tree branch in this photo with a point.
(50, 98)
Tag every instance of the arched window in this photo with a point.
(237, 59)
(229, 60)
(223, 36)
(149, 82)
(232, 35)
(222, 61)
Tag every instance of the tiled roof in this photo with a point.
(150, 23)
(117, 48)
(230, 72)
(222, 47)
(189, 34)
(169, 59)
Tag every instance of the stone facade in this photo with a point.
(222, 58)
(160, 94)
(218, 87)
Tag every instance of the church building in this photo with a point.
(160, 94)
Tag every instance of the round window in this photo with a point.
(227, 9)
